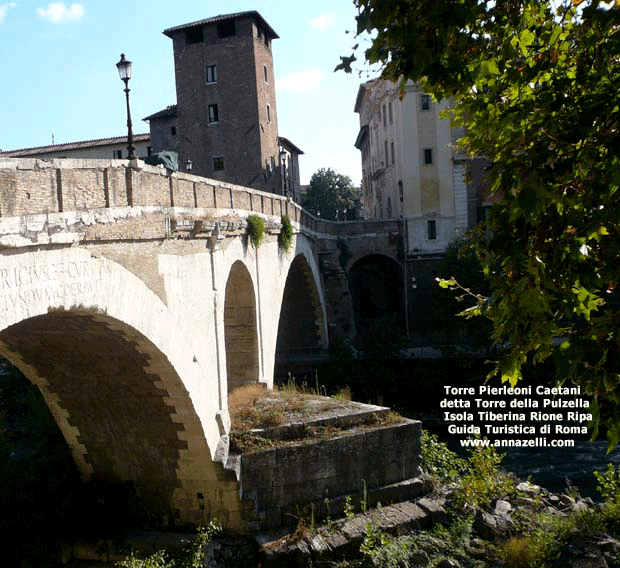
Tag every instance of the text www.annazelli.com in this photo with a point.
(518, 443)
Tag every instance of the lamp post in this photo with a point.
(283, 171)
(124, 70)
(188, 165)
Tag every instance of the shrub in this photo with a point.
(527, 551)
(609, 488)
(609, 484)
(242, 406)
(485, 482)
(438, 461)
(256, 229)
(192, 555)
(285, 238)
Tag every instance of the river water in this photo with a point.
(557, 469)
(552, 467)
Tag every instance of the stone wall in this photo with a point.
(31, 186)
(280, 482)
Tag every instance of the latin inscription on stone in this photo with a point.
(55, 283)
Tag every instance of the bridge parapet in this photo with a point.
(34, 186)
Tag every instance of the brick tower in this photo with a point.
(225, 119)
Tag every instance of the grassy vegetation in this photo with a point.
(253, 407)
(192, 555)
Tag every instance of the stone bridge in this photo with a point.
(131, 297)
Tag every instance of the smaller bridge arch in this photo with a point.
(376, 286)
(240, 328)
(302, 332)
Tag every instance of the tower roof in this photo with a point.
(223, 17)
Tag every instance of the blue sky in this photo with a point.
(59, 77)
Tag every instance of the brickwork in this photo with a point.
(183, 193)
(244, 132)
(25, 190)
(263, 65)
(30, 187)
(162, 137)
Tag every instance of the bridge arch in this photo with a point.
(240, 328)
(302, 332)
(123, 384)
(376, 284)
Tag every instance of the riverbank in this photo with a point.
(473, 516)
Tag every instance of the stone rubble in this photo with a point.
(342, 539)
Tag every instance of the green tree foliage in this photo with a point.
(329, 194)
(461, 264)
(537, 86)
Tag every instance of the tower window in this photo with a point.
(428, 155)
(431, 229)
(194, 35)
(392, 153)
(218, 164)
(214, 115)
(211, 74)
(426, 102)
(268, 113)
(117, 154)
(173, 131)
(265, 73)
(226, 29)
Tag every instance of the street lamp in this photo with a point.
(283, 171)
(188, 165)
(124, 70)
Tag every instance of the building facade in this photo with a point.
(289, 168)
(411, 171)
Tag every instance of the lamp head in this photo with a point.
(124, 68)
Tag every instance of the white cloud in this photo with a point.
(323, 21)
(4, 9)
(58, 13)
(300, 81)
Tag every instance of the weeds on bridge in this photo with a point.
(256, 230)
(285, 238)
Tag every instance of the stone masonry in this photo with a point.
(118, 283)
